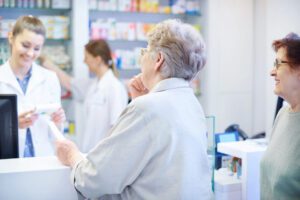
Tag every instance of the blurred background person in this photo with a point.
(158, 147)
(280, 177)
(33, 86)
(104, 97)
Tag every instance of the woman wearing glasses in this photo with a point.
(280, 177)
(157, 148)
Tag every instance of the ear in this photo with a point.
(159, 61)
(99, 59)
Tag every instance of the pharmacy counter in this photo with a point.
(35, 178)
(250, 151)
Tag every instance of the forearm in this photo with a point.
(64, 78)
(68, 153)
(75, 158)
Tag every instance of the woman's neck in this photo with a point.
(154, 82)
(295, 108)
(294, 101)
(19, 71)
(101, 71)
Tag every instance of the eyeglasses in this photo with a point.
(277, 63)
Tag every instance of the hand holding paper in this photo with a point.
(46, 108)
(56, 132)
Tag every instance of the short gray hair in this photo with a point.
(182, 47)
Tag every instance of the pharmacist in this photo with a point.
(33, 86)
(104, 98)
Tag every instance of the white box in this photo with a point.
(227, 187)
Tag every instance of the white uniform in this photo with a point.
(43, 88)
(103, 102)
(156, 150)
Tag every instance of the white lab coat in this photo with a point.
(103, 102)
(43, 88)
(156, 150)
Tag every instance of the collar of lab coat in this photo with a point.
(7, 76)
(106, 77)
(170, 83)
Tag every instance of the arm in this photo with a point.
(77, 87)
(67, 152)
(117, 160)
(63, 77)
(136, 87)
(27, 119)
(54, 89)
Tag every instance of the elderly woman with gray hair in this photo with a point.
(157, 148)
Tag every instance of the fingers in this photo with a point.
(136, 87)
(138, 84)
(27, 113)
(58, 116)
(27, 119)
(67, 152)
(25, 122)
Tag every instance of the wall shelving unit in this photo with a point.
(12, 13)
(80, 17)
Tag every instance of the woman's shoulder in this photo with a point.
(4, 66)
(44, 72)
(147, 103)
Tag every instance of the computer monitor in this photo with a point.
(9, 146)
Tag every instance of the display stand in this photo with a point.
(250, 152)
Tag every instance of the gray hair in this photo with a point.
(182, 47)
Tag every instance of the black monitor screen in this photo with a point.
(9, 147)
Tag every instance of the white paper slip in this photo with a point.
(56, 132)
(46, 108)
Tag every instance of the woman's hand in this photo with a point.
(27, 119)
(58, 117)
(67, 152)
(136, 87)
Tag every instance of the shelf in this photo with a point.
(147, 13)
(137, 16)
(48, 41)
(34, 11)
(44, 9)
(126, 44)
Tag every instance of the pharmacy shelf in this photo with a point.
(126, 44)
(15, 12)
(138, 16)
(49, 40)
